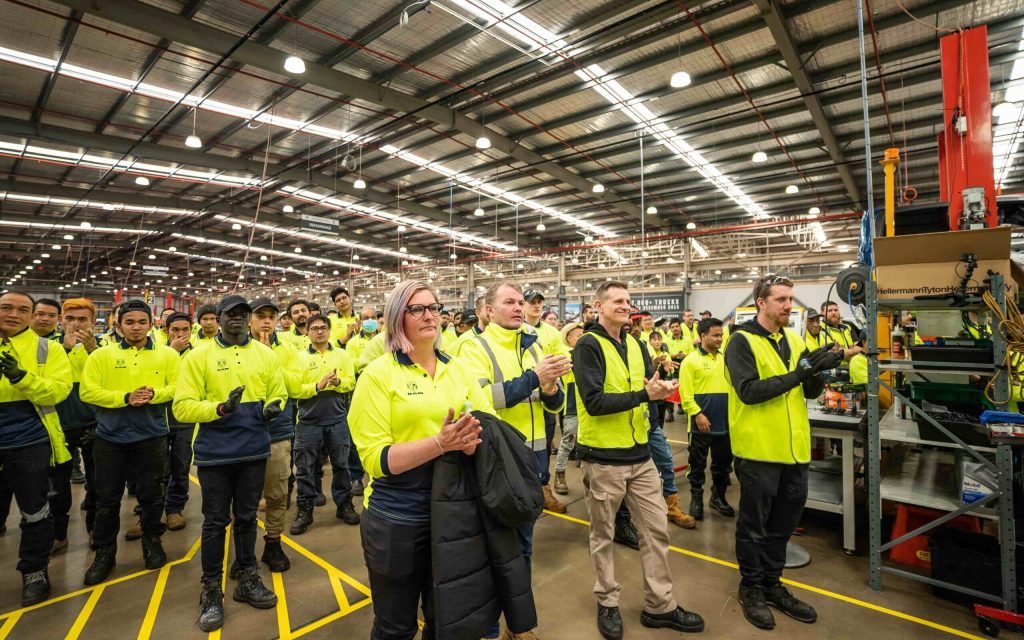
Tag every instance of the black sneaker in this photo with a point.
(250, 589)
(77, 476)
(303, 518)
(719, 504)
(35, 587)
(274, 557)
(679, 620)
(102, 564)
(211, 607)
(347, 513)
(153, 552)
(755, 607)
(782, 599)
(625, 533)
(609, 622)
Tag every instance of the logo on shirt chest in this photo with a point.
(222, 365)
(120, 364)
(412, 389)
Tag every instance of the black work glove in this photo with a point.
(808, 367)
(831, 360)
(272, 411)
(234, 399)
(9, 367)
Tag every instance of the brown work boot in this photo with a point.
(561, 488)
(526, 635)
(551, 503)
(175, 521)
(134, 532)
(676, 515)
(59, 547)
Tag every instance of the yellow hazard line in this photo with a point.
(284, 626)
(677, 441)
(83, 616)
(807, 587)
(215, 634)
(9, 622)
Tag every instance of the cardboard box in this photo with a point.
(929, 263)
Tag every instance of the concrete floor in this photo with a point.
(323, 595)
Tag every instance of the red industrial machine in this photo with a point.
(966, 179)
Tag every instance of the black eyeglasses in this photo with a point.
(416, 310)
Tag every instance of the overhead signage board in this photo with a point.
(316, 223)
(659, 304)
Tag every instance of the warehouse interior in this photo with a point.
(181, 151)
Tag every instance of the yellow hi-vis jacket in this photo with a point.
(777, 430)
(549, 338)
(112, 372)
(47, 382)
(502, 361)
(626, 429)
(209, 373)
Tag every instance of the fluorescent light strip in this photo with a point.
(615, 93)
(237, 263)
(72, 227)
(699, 249)
(125, 84)
(82, 159)
(271, 252)
(334, 202)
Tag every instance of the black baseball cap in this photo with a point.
(263, 303)
(205, 309)
(232, 302)
(134, 305)
(176, 316)
(532, 294)
(469, 316)
(812, 314)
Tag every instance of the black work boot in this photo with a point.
(233, 570)
(782, 599)
(102, 564)
(273, 555)
(697, 504)
(755, 607)
(35, 587)
(625, 532)
(303, 517)
(153, 552)
(609, 622)
(347, 513)
(680, 620)
(211, 607)
(720, 504)
(250, 589)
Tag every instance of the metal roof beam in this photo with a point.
(150, 19)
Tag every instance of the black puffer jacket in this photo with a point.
(479, 570)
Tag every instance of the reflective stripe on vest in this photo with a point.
(776, 430)
(42, 354)
(497, 387)
(622, 430)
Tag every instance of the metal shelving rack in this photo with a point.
(907, 486)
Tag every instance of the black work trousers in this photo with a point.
(720, 449)
(60, 484)
(142, 463)
(26, 471)
(398, 560)
(772, 497)
(231, 493)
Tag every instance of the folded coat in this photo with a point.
(476, 501)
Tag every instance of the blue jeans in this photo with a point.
(661, 454)
(179, 450)
(308, 439)
(355, 466)
(543, 458)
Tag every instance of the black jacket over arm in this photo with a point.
(475, 503)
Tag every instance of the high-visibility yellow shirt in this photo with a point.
(373, 350)
(298, 340)
(814, 342)
(397, 401)
(340, 325)
(209, 373)
(113, 372)
(703, 388)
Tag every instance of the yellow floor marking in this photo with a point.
(83, 617)
(800, 585)
(337, 615)
(9, 623)
(154, 603)
(339, 593)
(75, 594)
(284, 626)
(677, 441)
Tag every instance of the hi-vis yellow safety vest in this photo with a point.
(622, 430)
(777, 430)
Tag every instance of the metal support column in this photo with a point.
(874, 444)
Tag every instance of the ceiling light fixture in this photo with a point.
(791, 189)
(541, 226)
(193, 141)
(483, 142)
(652, 210)
(691, 225)
(288, 208)
(680, 79)
(55, 247)
(69, 237)
(294, 64)
(359, 184)
(759, 156)
(597, 188)
(142, 181)
(814, 211)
